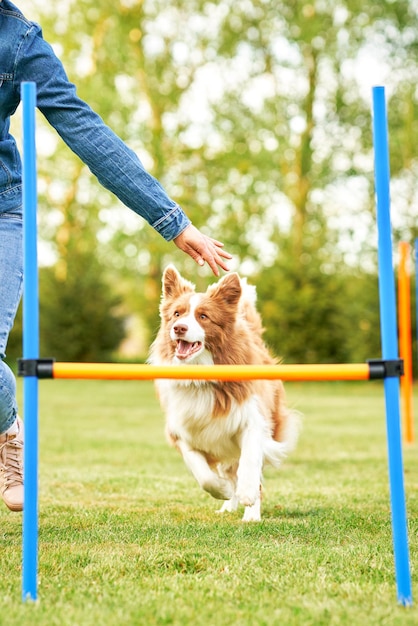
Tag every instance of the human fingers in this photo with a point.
(214, 254)
(203, 248)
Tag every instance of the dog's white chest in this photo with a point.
(190, 418)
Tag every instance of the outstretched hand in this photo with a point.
(203, 248)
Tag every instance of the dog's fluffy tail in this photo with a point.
(276, 451)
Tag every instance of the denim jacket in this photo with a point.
(26, 56)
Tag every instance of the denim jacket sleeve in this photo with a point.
(116, 166)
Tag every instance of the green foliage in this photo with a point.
(316, 311)
(80, 313)
(320, 318)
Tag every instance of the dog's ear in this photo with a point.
(228, 289)
(174, 284)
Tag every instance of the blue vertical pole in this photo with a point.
(30, 346)
(390, 348)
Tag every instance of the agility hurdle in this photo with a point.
(48, 368)
(389, 368)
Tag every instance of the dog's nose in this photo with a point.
(180, 329)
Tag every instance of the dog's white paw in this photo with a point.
(247, 500)
(219, 488)
(253, 513)
(248, 495)
(229, 506)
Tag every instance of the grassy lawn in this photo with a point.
(127, 537)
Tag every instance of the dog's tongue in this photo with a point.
(184, 349)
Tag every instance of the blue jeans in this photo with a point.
(11, 275)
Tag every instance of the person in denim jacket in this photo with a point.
(26, 56)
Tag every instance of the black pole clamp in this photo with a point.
(385, 368)
(39, 368)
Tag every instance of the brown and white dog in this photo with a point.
(225, 431)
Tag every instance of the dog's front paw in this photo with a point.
(219, 488)
(247, 500)
(248, 494)
(252, 513)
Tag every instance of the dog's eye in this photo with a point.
(176, 314)
(202, 316)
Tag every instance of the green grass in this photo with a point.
(127, 537)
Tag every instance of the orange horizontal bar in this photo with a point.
(118, 371)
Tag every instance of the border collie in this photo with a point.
(225, 430)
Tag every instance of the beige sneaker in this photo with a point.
(11, 469)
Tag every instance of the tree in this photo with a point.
(319, 311)
(80, 317)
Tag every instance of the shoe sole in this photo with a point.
(16, 508)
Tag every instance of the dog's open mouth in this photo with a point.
(185, 349)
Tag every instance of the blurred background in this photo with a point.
(256, 117)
